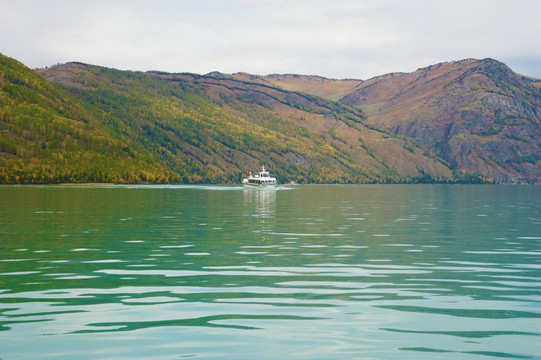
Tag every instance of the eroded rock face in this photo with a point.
(479, 116)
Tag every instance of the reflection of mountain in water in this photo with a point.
(260, 203)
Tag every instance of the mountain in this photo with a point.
(49, 136)
(83, 123)
(478, 115)
(336, 134)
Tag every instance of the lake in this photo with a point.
(300, 272)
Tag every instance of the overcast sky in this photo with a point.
(332, 38)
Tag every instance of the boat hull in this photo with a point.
(260, 186)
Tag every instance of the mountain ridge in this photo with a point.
(477, 114)
(191, 128)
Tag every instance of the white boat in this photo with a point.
(260, 180)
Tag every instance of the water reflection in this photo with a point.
(260, 203)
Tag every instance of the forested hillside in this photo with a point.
(50, 136)
(93, 124)
(83, 123)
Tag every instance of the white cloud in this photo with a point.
(339, 38)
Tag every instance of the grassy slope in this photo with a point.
(330, 89)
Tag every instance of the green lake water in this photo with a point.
(300, 272)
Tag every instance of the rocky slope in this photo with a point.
(478, 115)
